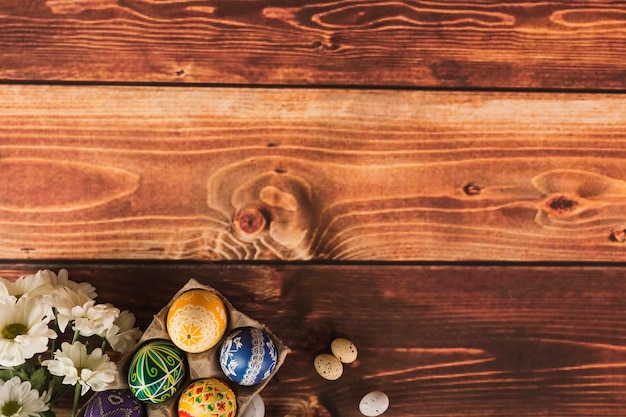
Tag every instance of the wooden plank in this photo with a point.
(530, 44)
(439, 340)
(157, 173)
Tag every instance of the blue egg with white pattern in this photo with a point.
(248, 356)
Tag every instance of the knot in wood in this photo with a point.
(249, 222)
(562, 205)
(471, 188)
(618, 235)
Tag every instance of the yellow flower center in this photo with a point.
(12, 331)
(10, 408)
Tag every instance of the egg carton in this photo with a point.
(200, 365)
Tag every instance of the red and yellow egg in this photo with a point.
(207, 397)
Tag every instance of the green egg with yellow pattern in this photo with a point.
(157, 371)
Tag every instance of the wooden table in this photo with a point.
(441, 182)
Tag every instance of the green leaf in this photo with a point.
(6, 374)
(23, 375)
(38, 378)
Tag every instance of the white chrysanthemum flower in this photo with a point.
(123, 336)
(96, 320)
(92, 371)
(24, 330)
(61, 280)
(89, 318)
(27, 286)
(19, 399)
(4, 291)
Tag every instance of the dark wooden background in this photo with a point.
(441, 182)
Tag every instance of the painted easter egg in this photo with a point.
(255, 408)
(248, 356)
(156, 371)
(196, 320)
(115, 403)
(208, 397)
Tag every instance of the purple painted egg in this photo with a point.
(248, 356)
(115, 403)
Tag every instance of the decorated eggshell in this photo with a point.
(196, 320)
(255, 408)
(248, 356)
(208, 397)
(156, 371)
(115, 403)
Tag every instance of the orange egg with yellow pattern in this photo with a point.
(208, 397)
(196, 320)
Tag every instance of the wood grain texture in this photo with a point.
(530, 44)
(157, 173)
(439, 340)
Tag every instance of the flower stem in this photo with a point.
(76, 398)
(104, 344)
(55, 326)
(76, 334)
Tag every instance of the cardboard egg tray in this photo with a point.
(200, 365)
